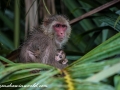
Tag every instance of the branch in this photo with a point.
(100, 8)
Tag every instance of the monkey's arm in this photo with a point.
(31, 50)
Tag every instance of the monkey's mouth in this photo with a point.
(61, 39)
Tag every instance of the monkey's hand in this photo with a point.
(65, 61)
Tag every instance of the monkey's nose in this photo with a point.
(61, 33)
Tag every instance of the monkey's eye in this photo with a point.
(56, 54)
(57, 25)
(64, 26)
(60, 56)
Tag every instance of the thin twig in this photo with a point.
(29, 8)
(46, 7)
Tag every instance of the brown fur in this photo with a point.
(41, 45)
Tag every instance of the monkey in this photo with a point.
(61, 56)
(43, 41)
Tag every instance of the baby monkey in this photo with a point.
(61, 57)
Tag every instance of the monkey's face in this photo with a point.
(60, 31)
(60, 55)
(58, 26)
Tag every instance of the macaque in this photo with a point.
(42, 43)
(61, 56)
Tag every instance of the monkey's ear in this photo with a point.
(45, 21)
